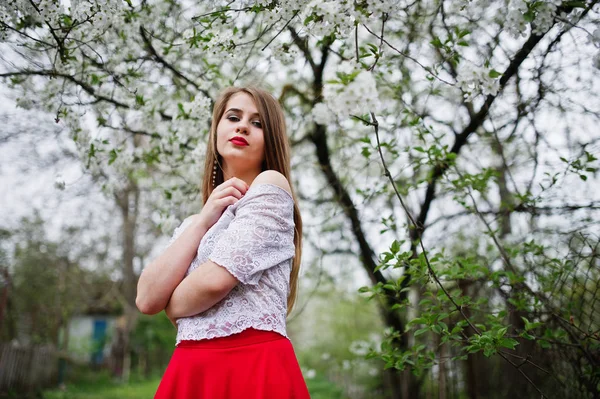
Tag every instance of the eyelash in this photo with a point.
(231, 117)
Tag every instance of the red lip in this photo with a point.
(239, 140)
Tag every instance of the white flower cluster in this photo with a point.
(334, 17)
(357, 97)
(360, 348)
(390, 7)
(474, 81)
(168, 223)
(50, 10)
(287, 55)
(515, 22)
(200, 108)
(123, 163)
(322, 115)
(101, 15)
(198, 154)
(543, 18)
(309, 374)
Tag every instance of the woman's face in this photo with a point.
(241, 119)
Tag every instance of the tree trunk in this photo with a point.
(128, 202)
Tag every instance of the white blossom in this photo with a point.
(332, 17)
(310, 374)
(322, 114)
(359, 347)
(287, 54)
(197, 155)
(544, 17)
(168, 223)
(123, 163)
(356, 98)
(391, 7)
(347, 67)
(515, 23)
(346, 365)
(474, 81)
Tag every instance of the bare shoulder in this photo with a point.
(273, 177)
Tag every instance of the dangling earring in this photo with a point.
(214, 174)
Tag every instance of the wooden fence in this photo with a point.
(27, 368)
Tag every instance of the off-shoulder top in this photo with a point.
(254, 240)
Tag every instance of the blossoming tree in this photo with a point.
(455, 133)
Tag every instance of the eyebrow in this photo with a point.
(239, 110)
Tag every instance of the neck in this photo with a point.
(241, 173)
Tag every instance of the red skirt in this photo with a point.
(253, 364)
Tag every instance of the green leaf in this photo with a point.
(494, 74)
(544, 344)
(418, 320)
(527, 336)
(443, 325)
(421, 331)
(508, 343)
(139, 100)
(489, 351)
(95, 79)
(436, 42)
(112, 156)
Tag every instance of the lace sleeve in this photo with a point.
(260, 236)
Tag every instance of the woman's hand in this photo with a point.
(225, 194)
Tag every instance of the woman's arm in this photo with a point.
(211, 282)
(160, 278)
(200, 291)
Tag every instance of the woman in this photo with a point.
(229, 274)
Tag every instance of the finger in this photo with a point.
(233, 191)
(230, 191)
(226, 201)
(237, 183)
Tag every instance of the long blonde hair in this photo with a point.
(277, 157)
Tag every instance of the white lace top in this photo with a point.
(254, 240)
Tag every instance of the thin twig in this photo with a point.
(384, 18)
(427, 69)
(281, 30)
(356, 43)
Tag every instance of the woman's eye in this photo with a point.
(233, 118)
(257, 123)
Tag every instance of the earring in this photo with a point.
(214, 174)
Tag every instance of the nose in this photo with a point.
(242, 126)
